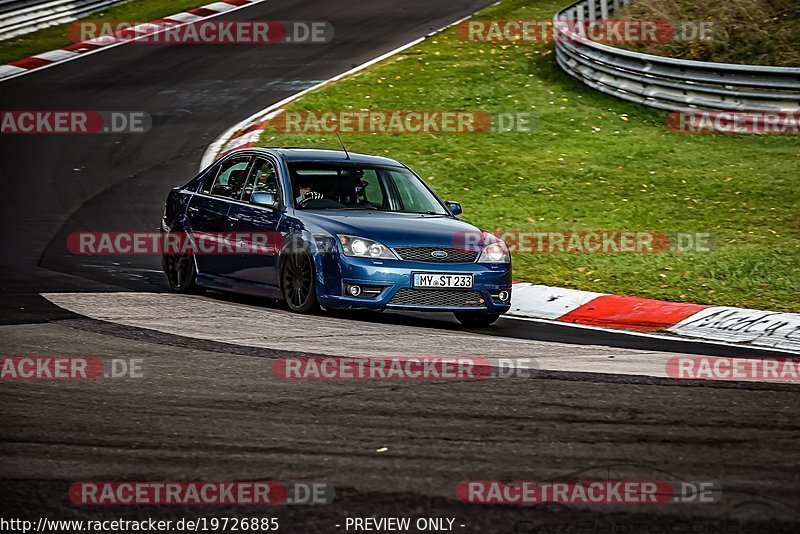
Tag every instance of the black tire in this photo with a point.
(181, 273)
(476, 319)
(297, 282)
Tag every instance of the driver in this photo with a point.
(306, 193)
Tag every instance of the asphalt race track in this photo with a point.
(209, 406)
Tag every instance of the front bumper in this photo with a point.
(392, 276)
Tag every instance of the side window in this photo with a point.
(372, 187)
(200, 183)
(230, 178)
(263, 179)
(209, 178)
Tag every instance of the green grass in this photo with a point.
(594, 162)
(56, 36)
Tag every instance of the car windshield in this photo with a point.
(320, 186)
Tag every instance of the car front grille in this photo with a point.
(446, 298)
(453, 255)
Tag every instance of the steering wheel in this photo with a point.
(308, 197)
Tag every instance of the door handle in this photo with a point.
(193, 209)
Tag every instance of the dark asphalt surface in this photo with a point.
(213, 411)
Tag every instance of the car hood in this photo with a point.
(394, 229)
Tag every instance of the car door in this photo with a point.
(256, 227)
(208, 211)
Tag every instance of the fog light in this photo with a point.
(354, 290)
(504, 296)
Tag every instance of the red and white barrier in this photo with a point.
(763, 329)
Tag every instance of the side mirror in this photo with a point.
(455, 207)
(266, 200)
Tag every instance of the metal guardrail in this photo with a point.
(18, 17)
(668, 83)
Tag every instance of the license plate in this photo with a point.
(458, 281)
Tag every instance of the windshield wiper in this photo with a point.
(429, 212)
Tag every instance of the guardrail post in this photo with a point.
(604, 9)
(592, 10)
(580, 15)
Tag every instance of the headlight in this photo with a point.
(325, 243)
(495, 252)
(365, 248)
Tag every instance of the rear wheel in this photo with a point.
(181, 273)
(297, 282)
(476, 319)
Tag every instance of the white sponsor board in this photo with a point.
(739, 325)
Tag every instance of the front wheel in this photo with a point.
(297, 282)
(476, 319)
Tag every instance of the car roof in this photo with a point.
(291, 154)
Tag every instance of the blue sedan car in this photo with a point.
(336, 229)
